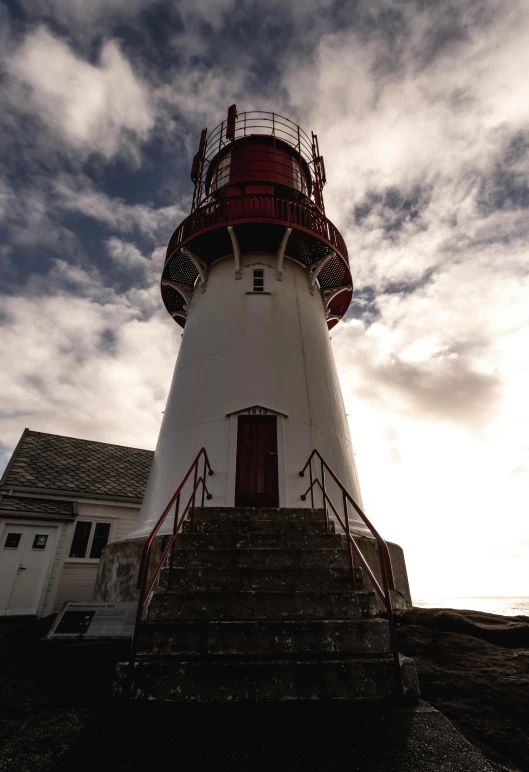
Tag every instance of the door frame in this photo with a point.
(232, 451)
(12, 522)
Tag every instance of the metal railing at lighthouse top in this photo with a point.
(259, 208)
(254, 123)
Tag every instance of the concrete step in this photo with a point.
(232, 541)
(219, 578)
(265, 637)
(257, 513)
(353, 678)
(171, 604)
(261, 558)
(254, 525)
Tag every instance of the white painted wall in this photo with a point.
(240, 350)
(77, 575)
(34, 596)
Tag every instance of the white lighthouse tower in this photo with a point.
(258, 575)
(256, 276)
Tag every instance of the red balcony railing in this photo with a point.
(303, 215)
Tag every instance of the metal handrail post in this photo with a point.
(194, 485)
(175, 523)
(348, 533)
(392, 630)
(311, 486)
(204, 482)
(192, 514)
(325, 511)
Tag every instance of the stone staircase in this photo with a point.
(258, 606)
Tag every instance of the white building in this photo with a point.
(61, 501)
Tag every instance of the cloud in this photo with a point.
(78, 194)
(103, 108)
(88, 18)
(92, 365)
(125, 254)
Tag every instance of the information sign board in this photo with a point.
(95, 620)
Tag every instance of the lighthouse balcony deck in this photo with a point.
(259, 222)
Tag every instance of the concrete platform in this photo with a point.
(313, 737)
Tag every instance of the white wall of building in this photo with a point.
(65, 578)
(242, 349)
(77, 577)
(10, 576)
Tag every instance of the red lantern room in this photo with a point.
(259, 182)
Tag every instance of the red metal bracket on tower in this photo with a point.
(230, 123)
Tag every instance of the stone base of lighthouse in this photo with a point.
(119, 565)
(258, 605)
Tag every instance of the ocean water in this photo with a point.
(493, 605)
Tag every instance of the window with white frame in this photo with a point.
(300, 182)
(258, 280)
(89, 539)
(221, 174)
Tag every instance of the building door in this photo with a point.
(256, 482)
(26, 552)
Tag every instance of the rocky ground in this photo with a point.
(56, 711)
(474, 668)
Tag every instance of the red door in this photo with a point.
(256, 479)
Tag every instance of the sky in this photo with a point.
(422, 114)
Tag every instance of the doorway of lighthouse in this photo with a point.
(256, 481)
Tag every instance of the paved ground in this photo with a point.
(280, 738)
(56, 716)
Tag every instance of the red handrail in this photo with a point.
(386, 570)
(143, 573)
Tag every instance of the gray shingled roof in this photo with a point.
(17, 505)
(50, 463)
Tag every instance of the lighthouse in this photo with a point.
(256, 277)
(252, 539)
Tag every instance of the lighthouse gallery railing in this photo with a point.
(302, 214)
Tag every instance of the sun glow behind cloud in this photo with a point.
(422, 115)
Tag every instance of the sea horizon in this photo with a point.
(505, 605)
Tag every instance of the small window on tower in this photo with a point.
(298, 177)
(221, 173)
(258, 279)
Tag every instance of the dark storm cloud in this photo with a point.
(507, 186)
(393, 207)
